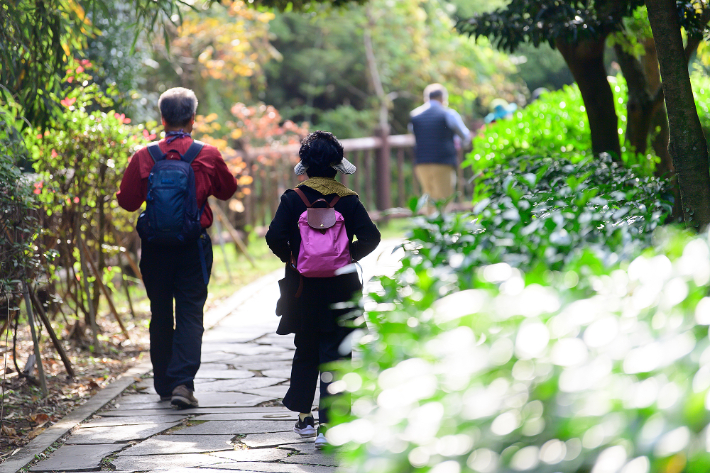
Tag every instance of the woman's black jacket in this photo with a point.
(314, 311)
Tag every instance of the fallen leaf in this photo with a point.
(8, 431)
(93, 385)
(40, 419)
(35, 432)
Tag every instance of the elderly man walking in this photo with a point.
(434, 126)
(175, 176)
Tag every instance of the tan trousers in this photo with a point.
(437, 180)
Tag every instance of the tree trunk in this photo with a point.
(586, 62)
(639, 103)
(659, 122)
(687, 141)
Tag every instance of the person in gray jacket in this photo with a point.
(434, 126)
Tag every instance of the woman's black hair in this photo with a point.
(319, 150)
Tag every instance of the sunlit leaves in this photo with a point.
(542, 342)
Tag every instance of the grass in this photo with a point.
(395, 228)
(232, 270)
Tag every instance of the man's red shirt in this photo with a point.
(211, 176)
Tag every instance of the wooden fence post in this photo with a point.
(384, 198)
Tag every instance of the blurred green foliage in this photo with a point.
(557, 125)
(553, 125)
(553, 329)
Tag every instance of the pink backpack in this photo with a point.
(325, 246)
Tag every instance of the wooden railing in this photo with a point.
(384, 178)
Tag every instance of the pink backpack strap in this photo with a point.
(303, 197)
(334, 201)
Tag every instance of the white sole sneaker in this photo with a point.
(321, 442)
(308, 431)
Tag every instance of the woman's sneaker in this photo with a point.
(305, 427)
(321, 441)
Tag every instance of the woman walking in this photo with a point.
(319, 229)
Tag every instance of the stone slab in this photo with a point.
(241, 335)
(229, 399)
(40, 443)
(109, 421)
(142, 398)
(249, 349)
(77, 458)
(232, 427)
(227, 385)
(191, 470)
(274, 467)
(224, 374)
(273, 392)
(209, 346)
(281, 416)
(191, 411)
(277, 373)
(212, 366)
(253, 455)
(145, 386)
(316, 458)
(178, 444)
(273, 439)
(247, 364)
(282, 357)
(149, 404)
(115, 433)
(206, 399)
(214, 356)
(163, 462)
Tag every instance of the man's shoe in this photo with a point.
(321, 441)
(165, 398)
(306, 427)
(183, 398)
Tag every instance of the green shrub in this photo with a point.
(554, 125)
(18, 222)
(531, 336)
(80, 160)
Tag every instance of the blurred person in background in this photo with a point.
(435, 127)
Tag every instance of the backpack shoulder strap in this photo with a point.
(155, 152)
(192, 151)
(303, 197)
(334, 201)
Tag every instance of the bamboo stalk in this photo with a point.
(55, 341)
(35, 341)
(85, 275)
(103, 289)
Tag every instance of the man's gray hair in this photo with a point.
(177, 106)
(436, 88)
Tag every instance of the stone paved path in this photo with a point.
(240, 424)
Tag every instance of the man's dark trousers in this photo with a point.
(175, 274)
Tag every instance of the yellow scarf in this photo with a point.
(327, 186)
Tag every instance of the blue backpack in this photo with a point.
(171, 214)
